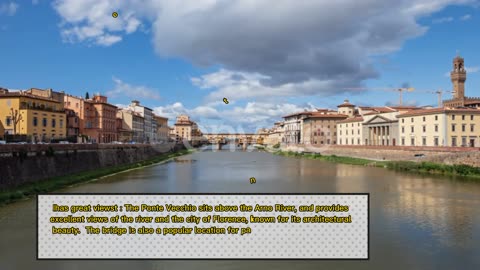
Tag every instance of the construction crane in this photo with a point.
(439, 94)
(399, 90)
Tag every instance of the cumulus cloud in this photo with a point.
(91, 21)
(242, 85)
(122, 89)
(300, 47)
(8, 9)
(248, 118)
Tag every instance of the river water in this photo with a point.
(416, 222)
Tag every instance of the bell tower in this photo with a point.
(458, 77)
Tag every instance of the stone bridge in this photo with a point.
(237, 138)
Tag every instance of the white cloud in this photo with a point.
(468, 69)
(259, 42)
(466, 17)
(91, 21)
(248, 118)
(34, 2)
(108, 40)
(240, 85)
(123, 89)
(472, 69)
(443, 20)
(8, 9)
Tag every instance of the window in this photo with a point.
(322, 134)
(403, 129)
(424, 141)
(436, 117)
(472, 128)
(435, 141)
(346, 132)
(471, 117)
(315, 133)
(35, 121)
(358, 141)
(464, 127)
(358, 132)
(44, 122)
(453, 117)
(8, 120)
(453, 127)
(403, 120)
(328, 141)
(424, 119)
(412, 141)
(454, 141)
(424, 128)
(412, 120)
(53, 123)
(464, 141)
(436, 128)
(352, 142)
(412, 129)
(463, 117)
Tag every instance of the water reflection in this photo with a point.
(417, 222)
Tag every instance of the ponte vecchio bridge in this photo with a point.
(243, 139)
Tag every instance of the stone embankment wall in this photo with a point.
(445, 155)
(20, 164)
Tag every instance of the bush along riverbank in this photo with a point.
(30, 189)
(405, 166)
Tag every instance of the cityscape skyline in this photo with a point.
(78, 48)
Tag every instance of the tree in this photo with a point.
(87, 96)
(16, 117)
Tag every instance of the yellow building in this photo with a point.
(40, 118)
(163, 131)
(440, 127)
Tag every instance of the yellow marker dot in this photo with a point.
(114, 14)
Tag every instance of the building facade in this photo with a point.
(293, 127)
(97, 117)
(440, 127)
(320, 128)
(350, 131)
(187, 130)
(163, 131)
(132, 123)
(147, 114)
(37, 117)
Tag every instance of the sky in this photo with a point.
(267, 58)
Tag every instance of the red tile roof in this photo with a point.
(351, 120)
(326, 115)
(438, 110)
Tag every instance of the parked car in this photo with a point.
(3, 142)
(63, 142)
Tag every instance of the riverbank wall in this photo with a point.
(440, 155)
(23, 164)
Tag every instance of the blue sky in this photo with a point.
(185, 56)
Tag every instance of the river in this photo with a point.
(417, 222)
